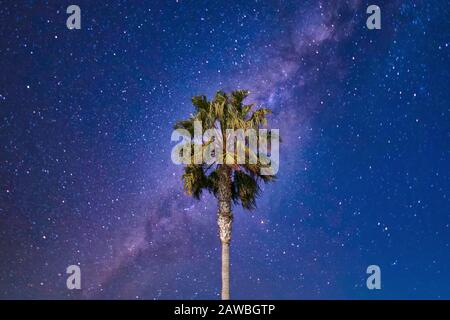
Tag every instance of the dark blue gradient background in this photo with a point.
(86, 176)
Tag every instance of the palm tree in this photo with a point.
(229, 183)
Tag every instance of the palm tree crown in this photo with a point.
(226, 111)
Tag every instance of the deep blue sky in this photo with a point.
(85, 170)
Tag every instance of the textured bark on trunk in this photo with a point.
(224, 221)
(225, 271)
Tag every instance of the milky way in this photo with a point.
(86, 175)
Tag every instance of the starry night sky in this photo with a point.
(86, 175)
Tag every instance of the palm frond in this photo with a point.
(245, 190)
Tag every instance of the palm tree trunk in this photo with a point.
(224, 221)
(225, 271)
